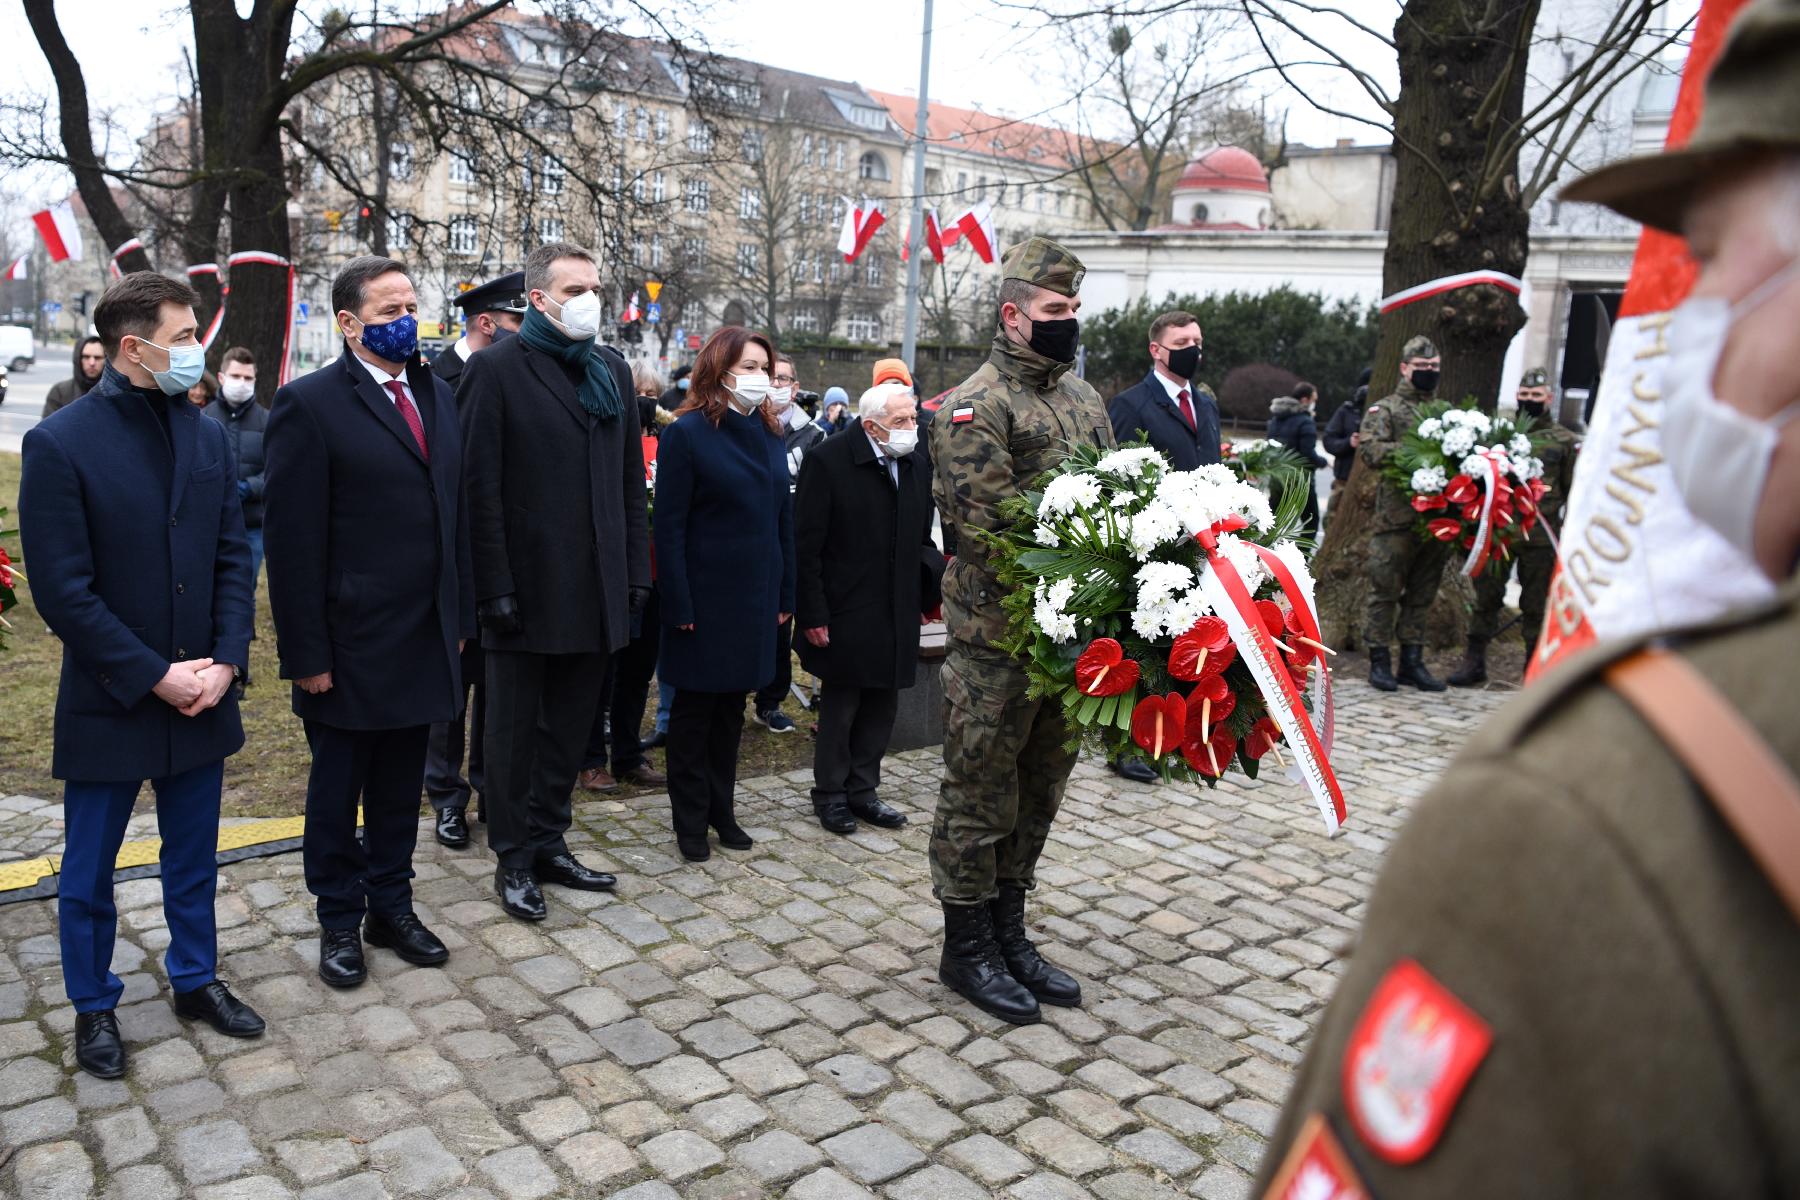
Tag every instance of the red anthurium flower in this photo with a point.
(1103, 669)
(1539, 489)
(1264, 734)
(1444, 529)
(1526, 504)
(1424, 503)
(1158, 722)
(1211, 756)
(1274, 618)
(1209, 704)
(1203, 650)
(1468, 543)
(1461, 490)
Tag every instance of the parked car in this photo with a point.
(17, 350)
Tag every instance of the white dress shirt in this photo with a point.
(382, 379)
(893, 464)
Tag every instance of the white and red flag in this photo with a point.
(860, 223)
(631, 312)
(976, 227)
(19, 268)
(934, 238)
(62, 236)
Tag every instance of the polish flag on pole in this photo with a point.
(859, 226)
(62, 236)
(631, 313)
(934, 238)
(976, 226)
(19, 270)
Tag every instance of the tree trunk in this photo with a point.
(1462, 72)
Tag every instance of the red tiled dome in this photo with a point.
(1225, 168)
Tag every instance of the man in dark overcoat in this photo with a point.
(369, 585)
(867, 572)
(561, 551)
(134, 540)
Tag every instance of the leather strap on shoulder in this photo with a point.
(1753, 790)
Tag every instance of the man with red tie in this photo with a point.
(369, 581)
(1178, 416)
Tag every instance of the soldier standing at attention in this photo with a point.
(1403, 570)
(1577, 973)
(1005, 764)
(1536, 556)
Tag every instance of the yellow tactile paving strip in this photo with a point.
(30, 872)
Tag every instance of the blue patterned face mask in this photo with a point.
(395, 341)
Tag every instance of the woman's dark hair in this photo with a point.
(707, 392)
(1304, 391)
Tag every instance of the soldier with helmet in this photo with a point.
(1006, 761)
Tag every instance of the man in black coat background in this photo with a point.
(369, 585)
(561, 549)
(492, 312)
(868, 572)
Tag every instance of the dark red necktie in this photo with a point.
(410, 415)
(1187, 410)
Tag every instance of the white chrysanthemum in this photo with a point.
(1132, 461)
(1528, 468)
(1124, 499)
(1070, 494)
(1458, 441)
(1520, 446)
(1167, 600)
(1474, 466)
(1157, 525)
(1430, 428)
(1157, 582)
(1241, 556)
(1201, 499)
(1051, 601)
(1427, 480)
(1046, 535)
(1295, 560)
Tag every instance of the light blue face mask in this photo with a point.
(186, 365)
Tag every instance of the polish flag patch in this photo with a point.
(961, 416)
(1317, 1168)
(1414, 1050)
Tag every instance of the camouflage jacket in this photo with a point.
(1008, 423)
(1388, 421)
(1559, 473)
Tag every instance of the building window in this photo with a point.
(656, 250)
(550, 229)
(619, 119)
(749, 203)
(806, 145)
(751, 142)
(693, 252)
(658, 188)
(400, 161)
(872, 270)
(962, 182)
(462, 167)
(1060, 198)
(639, 190)
(746, 260)
(399, 229)
(818, 266)
(872, 166)
(550, 176)
(836, 272)
(863, 327)
(806, 208)
(700, 136)
(981, 187)
(637, 249)
(462, 235)
(804, 319)
(662, 126)
(1037, 199)
(697, 194)
(640, 124)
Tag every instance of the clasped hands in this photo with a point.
(194, 685)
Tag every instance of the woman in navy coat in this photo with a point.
(725, 563)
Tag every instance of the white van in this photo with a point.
(17, 350)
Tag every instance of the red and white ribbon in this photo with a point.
(125, 248)
(1450, 283)
(203, 269)
(218, 317)
(1298, 588)
(1484, 528)
(264, 258)
(1230, 599)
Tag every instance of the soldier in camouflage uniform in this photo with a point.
(1005, 764)
(1536, 556)
(1404, 570)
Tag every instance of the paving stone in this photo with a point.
(166, 1062)
(656, 1189)
(1046, 1185)
(814, 1111)
(1185, 1119)
(595, 1159)
(872, 1153)
(40, 1121)
(1062, 1147)
(920, 1118)
(723, 1038)
(254, 1187)
(519, 1174)
(988, 1159)
(827, 1184)
(311, 1160)
(1130, 1185)
(125, 1137)
(213, 1151)
(937, 1183)
(551, 1121)
(639, 1119)
(855, 1075)
(1195, 1084)
(727, 1117)
(56, 1171)
(148, 1182)
(937, 1072)
(636, 1042)
(185, 1101)
(27, 1079)
(685, 1080)
(595, 1006)
(415, 1161)
(679, 1154)
(1221, 1182)
(776, 1157)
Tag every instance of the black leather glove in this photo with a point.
(640, 596)
(501, 614)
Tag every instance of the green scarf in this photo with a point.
(599, 394)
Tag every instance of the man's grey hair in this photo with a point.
(351, 287)
(874, 402)
(537, 263)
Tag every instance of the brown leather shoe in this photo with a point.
(596, 779)
(644, 776)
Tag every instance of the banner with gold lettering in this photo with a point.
(1631, 556)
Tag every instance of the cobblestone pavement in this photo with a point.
(767, 1023)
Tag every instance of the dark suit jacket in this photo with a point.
(724, 551)
(367, 548)
(134, 541)
(448, 366)
(866, 563)
(1147, 409)
(556, 501)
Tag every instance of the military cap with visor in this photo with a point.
(1042, 262)
(505, 294)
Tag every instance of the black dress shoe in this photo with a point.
(214, 1004)
(1136, 770)
(341, 958)
(733, 837)
(834, 814)
(99, 1050)
(567, 870)
(405, 935)
(656, 740)
(875, 812)
(694, 851)
(453, 828)
(520, 894)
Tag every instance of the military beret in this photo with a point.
(1537, 377)
(505, 294)
(1418, 346)
(1042, 262)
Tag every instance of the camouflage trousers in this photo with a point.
(1404, 573)
(1004, 773)
(1535, 565)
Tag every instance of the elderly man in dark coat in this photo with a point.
(369, 585)
(562, 558)
(868, 571)
(135, 541)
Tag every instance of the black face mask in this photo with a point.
(1056, 340)
(1532, 409)
(1424, 380)
(1185, 362)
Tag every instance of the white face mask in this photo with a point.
(1718, 456)
(748, 391)
(781, 397)
(580, 317)
(900, 442)
(237, 391)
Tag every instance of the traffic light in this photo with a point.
(363, 227)
(81, 303)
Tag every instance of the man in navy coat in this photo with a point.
(369, 583)
(134, 537)
(1177, 415)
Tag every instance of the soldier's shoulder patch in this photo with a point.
(1412, 1054)
(1316, 1168)
(962, 416)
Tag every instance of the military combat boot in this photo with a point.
(1412, 670)
(973, 968)
(1023, 962)
(1473, 669)
(1381, 670)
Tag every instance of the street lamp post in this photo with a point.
(910, 342)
